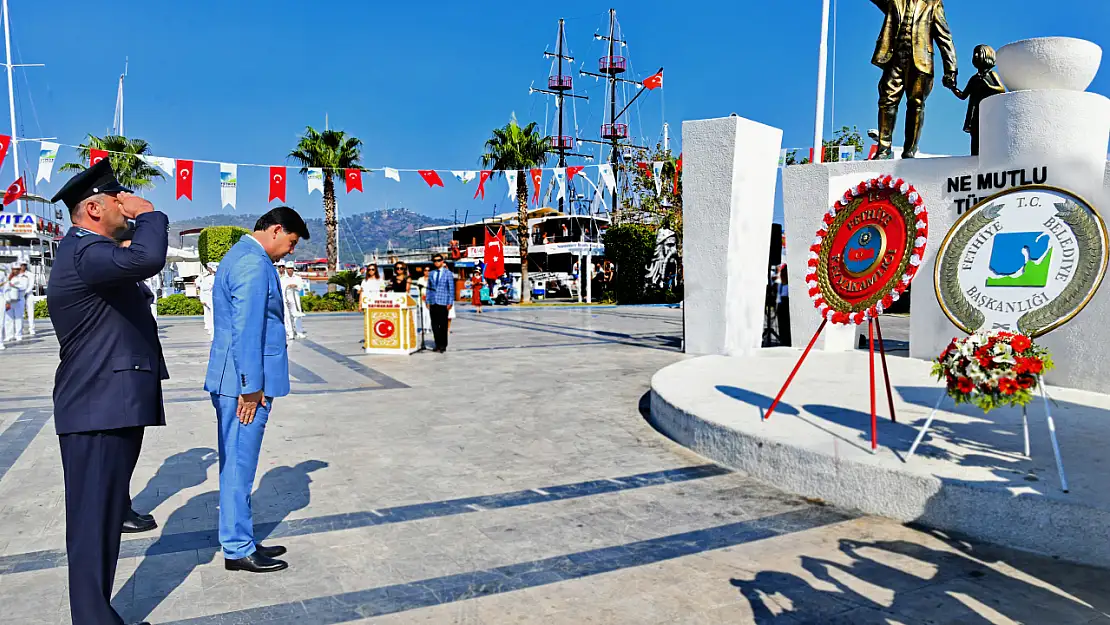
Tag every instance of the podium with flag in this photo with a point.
(389, 324)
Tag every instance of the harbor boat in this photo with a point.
(32, 237)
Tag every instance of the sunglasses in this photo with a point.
(437, 260)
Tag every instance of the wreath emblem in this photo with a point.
(867, 250)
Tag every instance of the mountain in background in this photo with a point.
(358, 234)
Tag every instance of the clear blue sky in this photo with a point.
(422, 83)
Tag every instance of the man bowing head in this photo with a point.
(247, 368)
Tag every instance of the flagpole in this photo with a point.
(819, 122)
(11, 100)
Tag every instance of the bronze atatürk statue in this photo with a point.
(982, 85)
(905, 52)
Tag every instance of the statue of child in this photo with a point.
(981, 86)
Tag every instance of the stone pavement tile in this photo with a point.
(34, 595)
(989, 598)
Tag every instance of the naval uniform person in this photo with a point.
(108, 384)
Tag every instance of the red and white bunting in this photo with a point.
(17, 190)
(277, 184)
(353, 177)
(184, 179)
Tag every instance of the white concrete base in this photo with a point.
(969, 475)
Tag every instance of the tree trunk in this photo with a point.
(330, 226)
(523, 235)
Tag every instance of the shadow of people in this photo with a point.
(171, 559)
(178, 472)
(907, 580)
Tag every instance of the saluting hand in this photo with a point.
(248, 405)
(132, 205)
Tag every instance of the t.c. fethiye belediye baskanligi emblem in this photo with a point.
(1025, 260)
(867, 250)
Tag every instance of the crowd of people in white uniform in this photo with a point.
(292, 287)
(16, 287)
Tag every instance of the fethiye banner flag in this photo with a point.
(229, 180)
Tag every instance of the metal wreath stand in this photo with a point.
(894, 211)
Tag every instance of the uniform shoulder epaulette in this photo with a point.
(81, 232)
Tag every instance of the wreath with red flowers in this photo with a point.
(992, 369)
(890, 214)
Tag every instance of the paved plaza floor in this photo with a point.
(512, 480)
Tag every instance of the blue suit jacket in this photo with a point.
(248, 314)
(111, 370)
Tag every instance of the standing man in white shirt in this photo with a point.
(204, 288)
(14, 299)
(292, 286)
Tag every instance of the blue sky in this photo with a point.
(423, 83)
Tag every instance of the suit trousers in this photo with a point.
(97, 468)
(438, 313)
(901, 76)
(239, 446)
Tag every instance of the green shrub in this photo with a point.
(41, 311)
(179, 304)
(631, 247)
(215, 241)
(329, 302)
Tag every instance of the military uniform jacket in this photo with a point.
(111, 359)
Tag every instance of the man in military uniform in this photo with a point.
(108, 385)
(905, 53)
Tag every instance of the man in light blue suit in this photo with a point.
(247, 368)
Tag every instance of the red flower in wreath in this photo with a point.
(1026, 381)
(1028, 365)
(1020, 343)
(1008, 386)
(964, 385)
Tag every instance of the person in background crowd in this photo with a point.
(565, 231)
(476, 290)
(372, 284)
(154, 283)
(3, 301)
(292, 286)
(441, 299)
(28, 300)
(204, 288)
(248, 367)
(399, 283)
(108, 387)
(15, 299)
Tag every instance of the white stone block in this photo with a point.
(729, 177)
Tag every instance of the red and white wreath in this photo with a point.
(892, 292)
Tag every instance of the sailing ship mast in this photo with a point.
(11, 95)
(558, 85)
(615, 133)
(117, 119)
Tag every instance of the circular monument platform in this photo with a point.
(969, 475)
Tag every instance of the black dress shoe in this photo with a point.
(255, 563)
(270, 552)
(133, 523)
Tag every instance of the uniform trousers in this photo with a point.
(13, 321)
(97, 468)
(239, 447)
(438, 313)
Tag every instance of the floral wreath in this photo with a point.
(892, 294)
(992, 369)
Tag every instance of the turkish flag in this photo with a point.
(431, 177)
(870, 155)
(5, 143)
(573, 171)
(14, 192)
(654, 81)
(495, 254)
(677, 169)
(353, 177)
(537, 177)
(184, 179)
(277, 184)
(95, 156)
(644, 166)
(482, 178)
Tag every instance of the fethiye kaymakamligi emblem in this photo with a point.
(867, 250)
(1025, 260)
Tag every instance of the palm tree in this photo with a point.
(347, 280)
(333, 151)
(512, 148)
(123, 153)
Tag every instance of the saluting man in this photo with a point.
(108, 385)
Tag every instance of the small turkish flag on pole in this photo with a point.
(14, 192)
(354, 180)
(277, 184)
(494, 255)
(646, 169)
(537, 177)
(431, 177)
(483, 176)
(573, 171)
(184, 179)
(5, 143)
(95, 156)
(655, 80)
